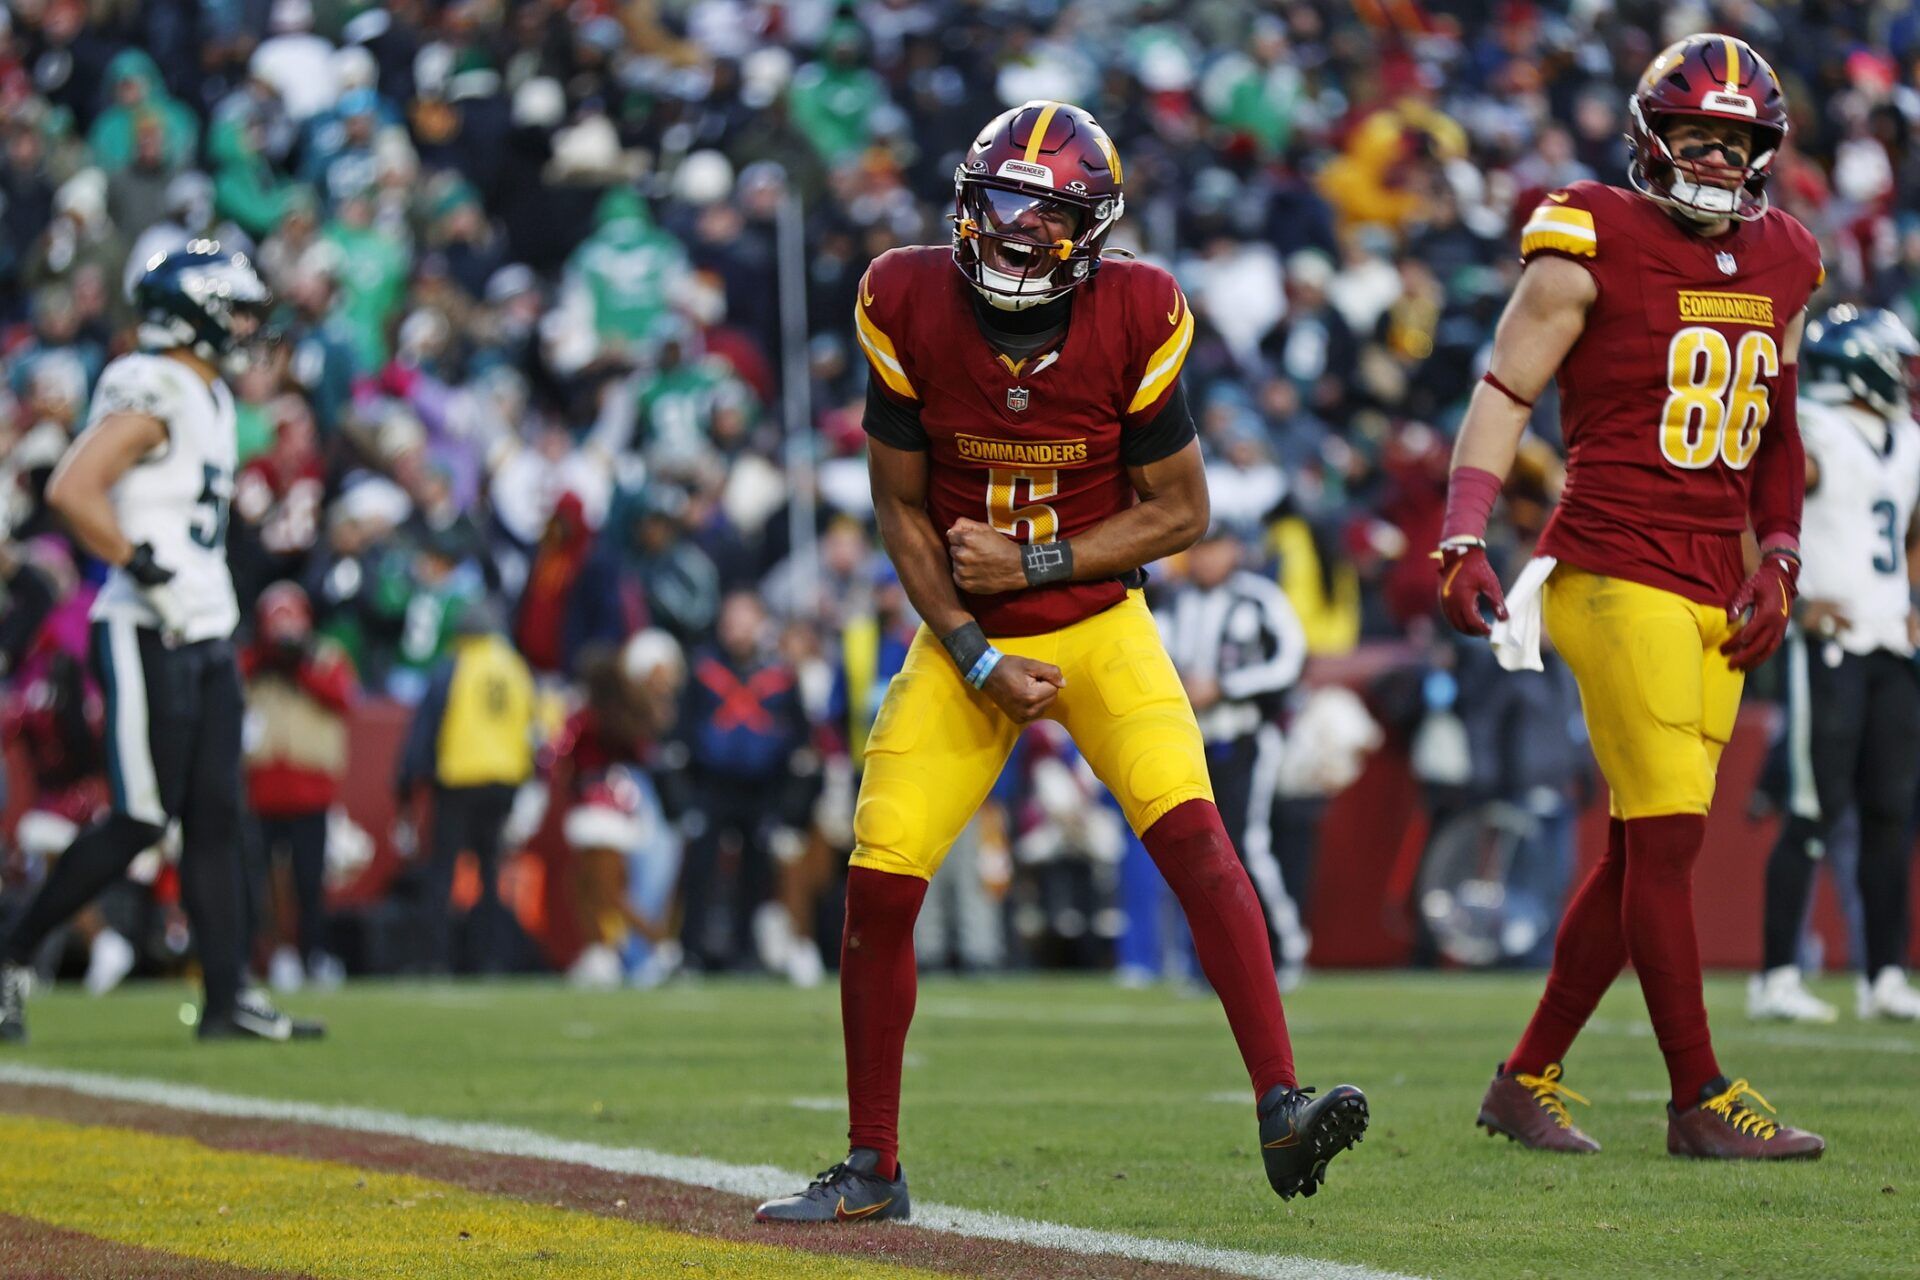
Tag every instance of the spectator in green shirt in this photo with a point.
(373, 275)
(833, 101)
(133, 84)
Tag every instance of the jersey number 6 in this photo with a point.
(1716, 397)
(1003, 487)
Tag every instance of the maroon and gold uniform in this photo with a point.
(1037, 381)
(1666, 393)
(1038, 448)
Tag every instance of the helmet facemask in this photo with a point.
(1021, 247)
(1703, 182)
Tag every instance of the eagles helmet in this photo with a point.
(1034, 200)
(1720, 78)
(193, 296)
(1854, 353)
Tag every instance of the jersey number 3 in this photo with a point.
(1003, 489)
(1716, 397)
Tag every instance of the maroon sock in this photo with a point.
(877, 987)
(1588, 954)
(1658, 917)
(1190, 846)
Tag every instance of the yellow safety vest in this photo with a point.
(487, 733)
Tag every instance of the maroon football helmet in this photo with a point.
(1720, 78)
(1034, 200)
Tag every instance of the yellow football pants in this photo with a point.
(1659, 698)
(938, 745)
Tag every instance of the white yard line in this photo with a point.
(744, 1180)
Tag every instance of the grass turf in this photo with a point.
(1073, 1101)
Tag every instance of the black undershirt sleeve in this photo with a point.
(892, 423)
(1163, 437)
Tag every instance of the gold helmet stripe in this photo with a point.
(1039, 134)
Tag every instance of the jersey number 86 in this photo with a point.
(1716, 397)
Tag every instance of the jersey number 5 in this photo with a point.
(1716, 397)
(1003, 488)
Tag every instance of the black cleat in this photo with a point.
(1300, 1134)
(16, 983)
(254, 1017)
(849, 1192)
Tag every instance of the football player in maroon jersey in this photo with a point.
(1670, 315)
(1031, 451)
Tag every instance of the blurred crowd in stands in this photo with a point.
(545, 397)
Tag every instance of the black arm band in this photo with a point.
(1046, 562)
(965, 645)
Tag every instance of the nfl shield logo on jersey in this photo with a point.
(1018, 398)
(1726, 263)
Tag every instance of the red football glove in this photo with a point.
(1466, 578)
(1765, 599)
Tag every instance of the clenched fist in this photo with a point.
(985, 561)
(1023, 687)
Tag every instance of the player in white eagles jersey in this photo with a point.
(1854, 691)
(146, 488)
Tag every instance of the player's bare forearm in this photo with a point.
(899, 481)
(82, 483)
(1542, 321)
(1170, 517)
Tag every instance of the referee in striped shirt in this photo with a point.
(1239, 647)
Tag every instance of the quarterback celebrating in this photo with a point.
(1672, 316)
(1030, 451)
(146, 488)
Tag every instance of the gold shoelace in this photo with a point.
(1730, 1108)
(1549, 1092)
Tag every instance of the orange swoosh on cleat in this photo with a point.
(1291, 1140)
(844, 1214)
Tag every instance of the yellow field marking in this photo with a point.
(329, 1219)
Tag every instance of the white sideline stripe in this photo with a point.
(754, 1180)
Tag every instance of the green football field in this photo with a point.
(1071, 1101)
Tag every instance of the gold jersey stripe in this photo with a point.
(1164, 365)
(1560, 239)
(1566, 216)
(880, 353)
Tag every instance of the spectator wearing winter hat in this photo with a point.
(137, 92)
(542, 629)
(299, 689)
